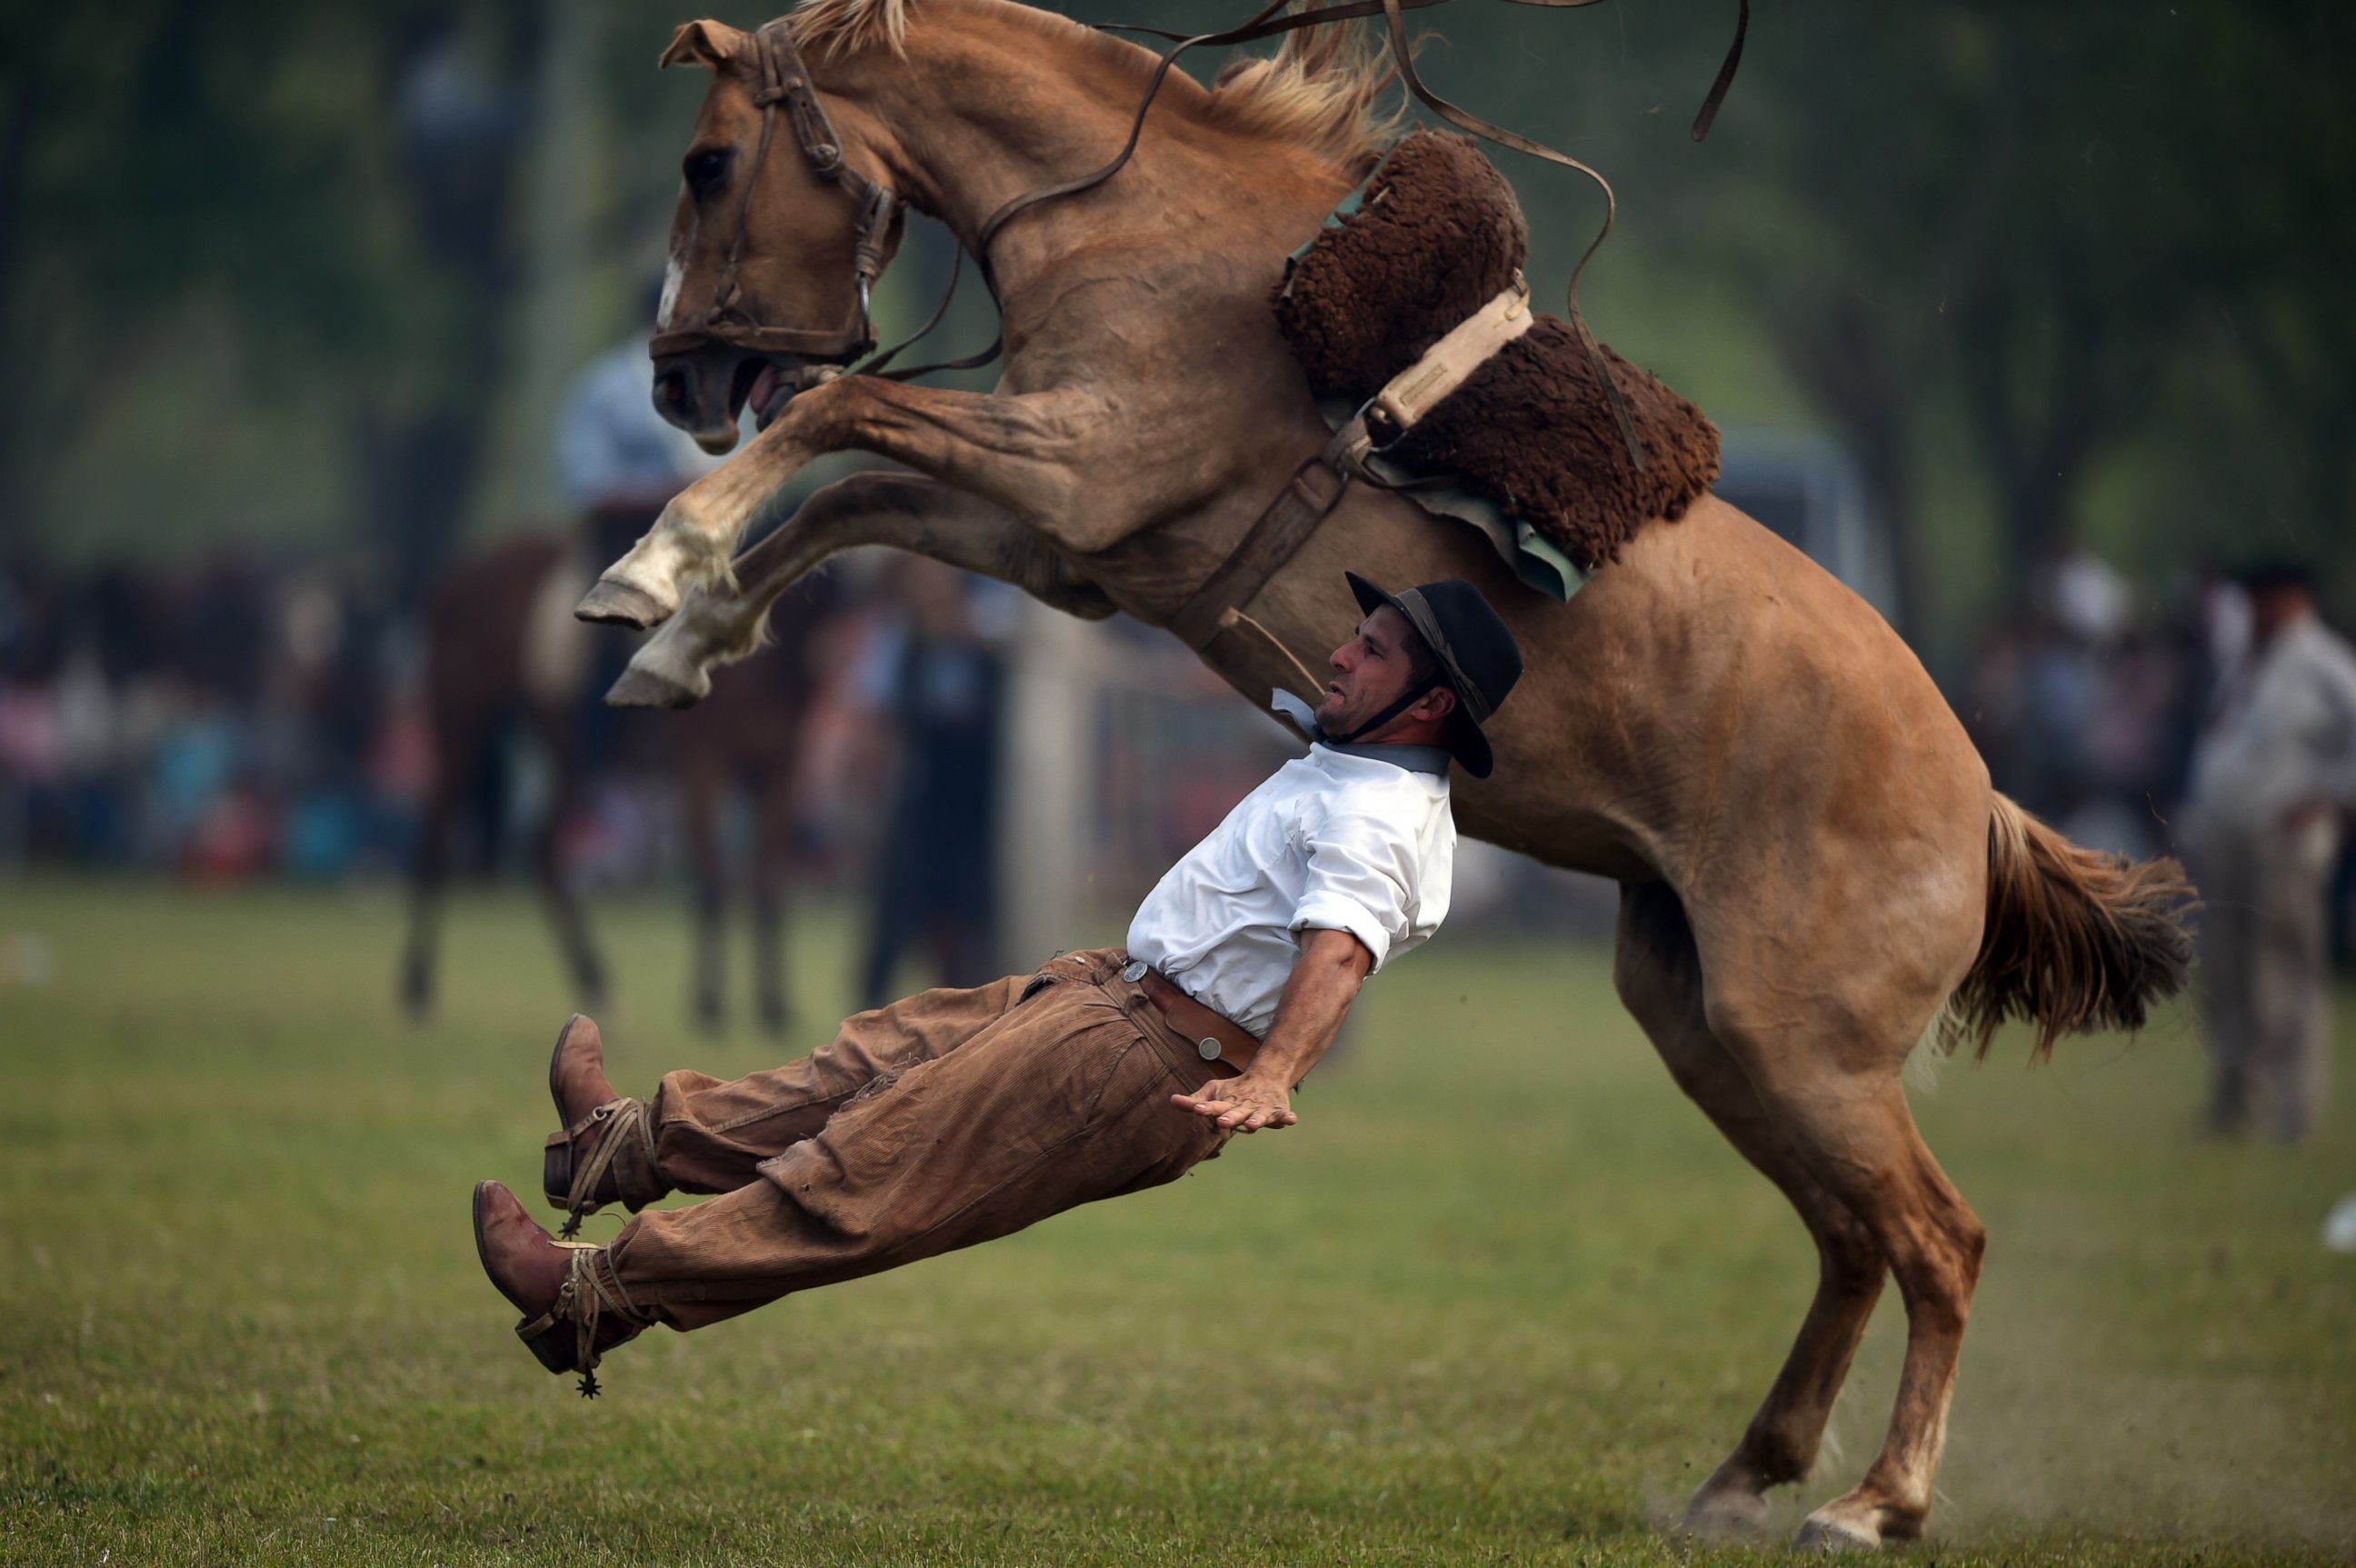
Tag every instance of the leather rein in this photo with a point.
(785, 80)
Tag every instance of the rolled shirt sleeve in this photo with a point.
(1360, 873)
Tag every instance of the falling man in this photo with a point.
(954, 1116)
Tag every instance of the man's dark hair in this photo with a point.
(2278, 576)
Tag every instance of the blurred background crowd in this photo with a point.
(323, 335)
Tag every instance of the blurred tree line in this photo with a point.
(2045, 271)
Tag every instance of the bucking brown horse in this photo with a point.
(1815, 874)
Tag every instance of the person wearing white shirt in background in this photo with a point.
(2273, 776)
(956, 1116)
(615, 451)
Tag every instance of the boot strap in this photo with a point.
(622, 1118)
(582, 1303)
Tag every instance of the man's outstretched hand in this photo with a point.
(1240, 1103)
(1317, 997)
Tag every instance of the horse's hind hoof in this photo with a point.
(646, 689)
(611, 603)
(1725, 1516)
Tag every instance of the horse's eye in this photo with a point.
(706, 170)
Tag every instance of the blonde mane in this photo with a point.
(1322, 89)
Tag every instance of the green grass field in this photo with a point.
(1503, 1296)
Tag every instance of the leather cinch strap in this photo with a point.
(1313, 492)
(1317, 484)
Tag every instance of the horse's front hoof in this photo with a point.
(1825, 1531)
(639, 688)
(611, 603)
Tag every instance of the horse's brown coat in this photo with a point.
(1811, 860)
(1439, 236)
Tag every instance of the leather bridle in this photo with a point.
(786, 82)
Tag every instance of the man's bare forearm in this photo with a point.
(1317, 996)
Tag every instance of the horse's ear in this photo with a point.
(711, 44)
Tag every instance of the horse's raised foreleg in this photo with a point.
(1015, 452)
(906, 511)
(1659, 975)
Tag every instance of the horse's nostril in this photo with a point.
(672, 388)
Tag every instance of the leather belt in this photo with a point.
(1214, 1038)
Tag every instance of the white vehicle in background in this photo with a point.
(1808, 489)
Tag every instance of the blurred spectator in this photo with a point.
(2084, 595)
(937, 671)
(2084, 714)
(2273, 776)
(614, 452)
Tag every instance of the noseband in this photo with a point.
(785, 79)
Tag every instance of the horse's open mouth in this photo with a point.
(776, 382)
(707, 391)
(754, 383)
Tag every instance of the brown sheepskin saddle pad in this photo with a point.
(1433, 235)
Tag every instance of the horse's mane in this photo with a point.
(1322, 87)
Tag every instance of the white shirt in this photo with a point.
(611, 444)
(1338, 840)
(2285, 733)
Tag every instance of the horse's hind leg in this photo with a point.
(1860, 1138)
(1658, 974)
(1829, 1081)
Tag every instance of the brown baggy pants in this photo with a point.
(944, 1120)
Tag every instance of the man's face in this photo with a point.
(1370, 672)
(2273, 609)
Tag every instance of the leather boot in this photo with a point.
(570, 1315)
(605, 1137)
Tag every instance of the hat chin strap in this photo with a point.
(1413, 695)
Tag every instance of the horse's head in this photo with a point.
(781, 227)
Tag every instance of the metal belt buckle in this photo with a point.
(1135, 971)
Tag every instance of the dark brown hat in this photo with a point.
(1477, 656)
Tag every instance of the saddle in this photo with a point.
(1529, 438)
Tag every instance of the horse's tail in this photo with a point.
(2076, 940)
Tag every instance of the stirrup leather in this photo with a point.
(622, 1119)
(581, 1305)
